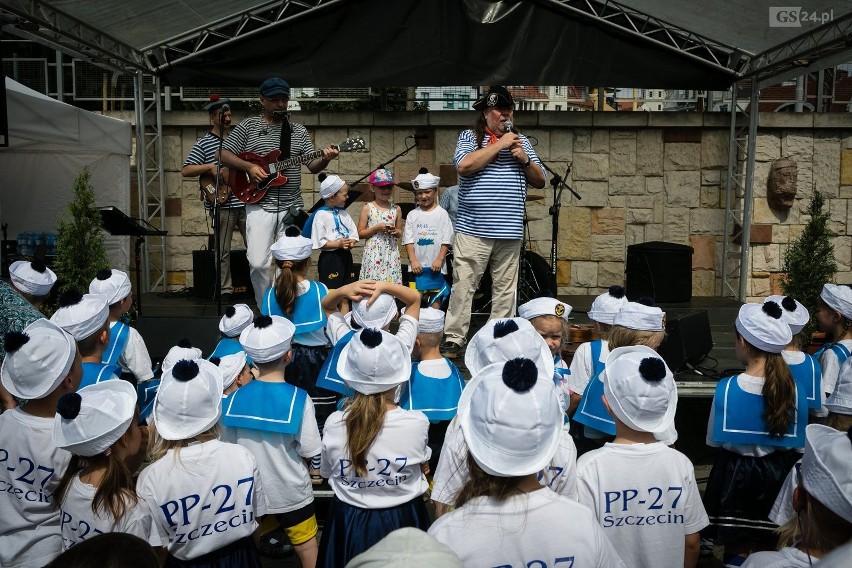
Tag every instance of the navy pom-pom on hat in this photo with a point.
(185, 343)
(261, 322)
(104, 274)
(646, 301)
(772, 309)
(423, 171)
(652, 369)
(520, 374)
(70, 298)
(616, 291)
(504, 328)
(185, 370)
(38, 265)
(371, 338)
(68, 405)
(14, 340)
(292, 231)
(215, 360)
(788, 304)
(230, 311)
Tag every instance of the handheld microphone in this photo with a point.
(420, 136)
(507, 125)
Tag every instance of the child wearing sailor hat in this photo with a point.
(275, 420)
(373, 305)
(333, 232)
(589, 358)
(635, 323)
(512, 427)
(235, 319)
(822, 500)
(204, 494)
(235, 370)
(435, 384)
(86, 318)
(299, 299)
(183, 350)
(622, 481)
(126, 347)
(758, 418)
(42, 363)
(834, 316)
(428, 236)
(97, 494)
(549, 316)
(374, 454)
(33, 280)
(495, 343)
(805, 368)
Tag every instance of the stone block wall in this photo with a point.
(641, 177)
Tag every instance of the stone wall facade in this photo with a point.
(642, 177)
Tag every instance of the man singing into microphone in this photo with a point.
(495, 165)
(267, 219)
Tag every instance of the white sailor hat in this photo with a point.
(378, 314)
(425, 180)
(189, 399)
(112, 283)
(231, 366)
(374, 361)
(431, 320)
(794, 313)
(634, 315)
(236, 318)
(183, 350)
(268, 338)
(91, 420)
(605, 306)
(329, 185)
(762, 327)
(292, 246)
(826, 472)
(500, 340)
(544, 307)
(513, 420)
(839, 298)
(409, 547)
(640, 389)
(33, 278)
(37, 359)
(81, 315)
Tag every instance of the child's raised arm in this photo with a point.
(409, 296)
(354, 291)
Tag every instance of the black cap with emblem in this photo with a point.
(497, 96)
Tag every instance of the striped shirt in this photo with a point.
(491, 201)
(204, 152)
(255, 135)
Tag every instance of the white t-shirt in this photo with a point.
(782, 510)
(528, 530)
(646, 499)
(428, 231)
(831, 367)
(325, 229)
(452, 471)
(281, 460)
(784, 558)
(30, 469)
(393, 461)
(206, 497)
(134, 357)
(581, 366)
(338, 326)
(435, 368)
(753, 385)
(78, 522)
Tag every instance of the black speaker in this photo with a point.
(662, 271)
(204, 274)
(163, 333)
(688, 340)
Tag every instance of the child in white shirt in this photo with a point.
(834, 316)
(333, 232)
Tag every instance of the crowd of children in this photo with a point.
(318, 388)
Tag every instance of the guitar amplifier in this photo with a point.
(204, 274)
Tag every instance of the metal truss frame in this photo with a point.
(225, 31)
(739, 196)
(58, 29)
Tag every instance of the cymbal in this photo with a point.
(405, 185)
(533, 197)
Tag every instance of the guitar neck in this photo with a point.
(298, 160)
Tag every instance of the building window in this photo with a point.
(449, 101)
(558, 107)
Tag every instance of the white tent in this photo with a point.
(49, 144)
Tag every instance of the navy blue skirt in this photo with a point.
(740, 493)
(238, 554)
(349, 531)
(303, 370)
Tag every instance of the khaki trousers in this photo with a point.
(471, 255)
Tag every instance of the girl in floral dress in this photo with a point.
(381, 224)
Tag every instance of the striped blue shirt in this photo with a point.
(491, 201)
(204, 152)
(255, 135)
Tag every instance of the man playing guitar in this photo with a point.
(267, 219)
(201, 163)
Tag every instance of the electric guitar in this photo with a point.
(247, 191)
(207, 185)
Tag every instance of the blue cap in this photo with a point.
(275, 86)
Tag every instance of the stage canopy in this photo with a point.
(340, 43)
(49, 144)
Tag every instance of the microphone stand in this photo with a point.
(217, 229)
(354, 195)
(558, 184)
